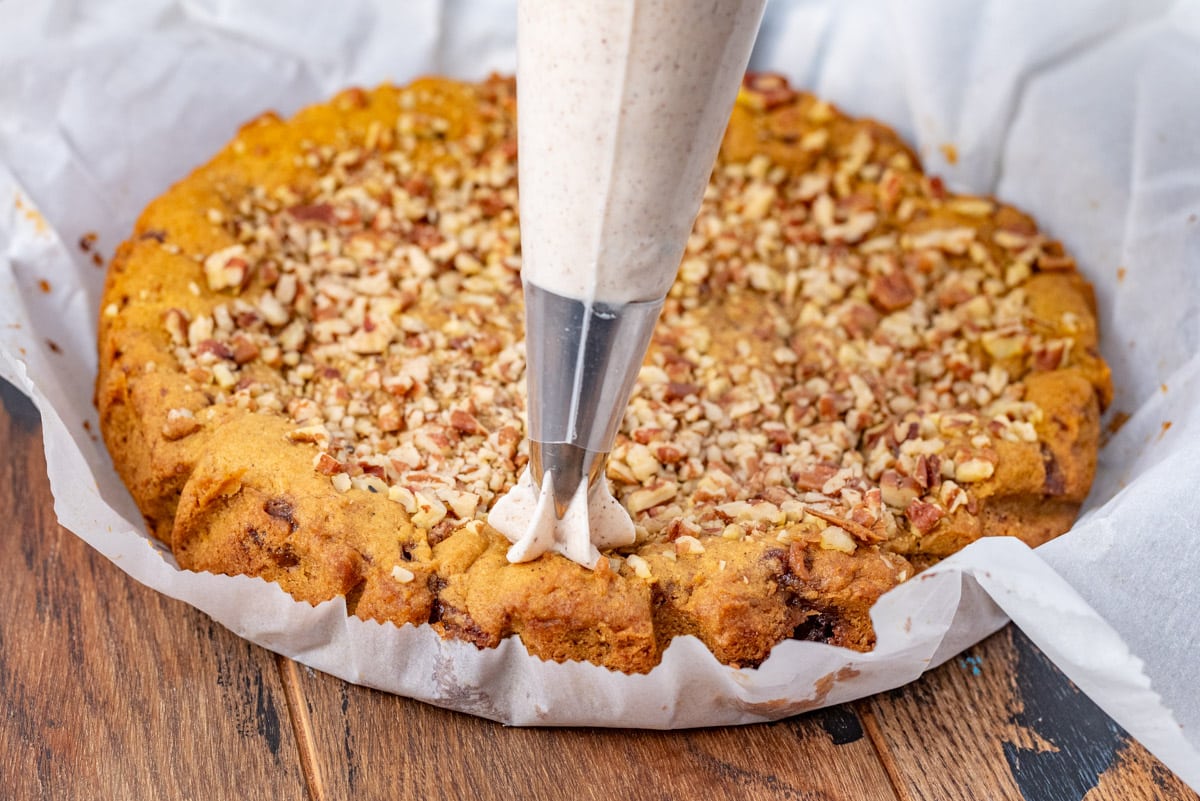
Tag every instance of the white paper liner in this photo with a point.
(1085, 115)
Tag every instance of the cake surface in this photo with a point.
(311, 370)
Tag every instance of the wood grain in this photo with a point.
(110, 690)
(370, 743)
(1002, 717)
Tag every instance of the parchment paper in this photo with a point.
(1085, 113)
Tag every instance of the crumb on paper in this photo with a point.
(54, 346)
(31, 215)
(785, 707)
(1166, 426)
(1118, 421)
(1163, 387)
(87, 243)
(1121, 273)
(44, 285)
(950, 152)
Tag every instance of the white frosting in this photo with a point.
(621, 104)
(593, 520)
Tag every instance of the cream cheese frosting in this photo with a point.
(593, 519)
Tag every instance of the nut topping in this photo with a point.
(864, 358)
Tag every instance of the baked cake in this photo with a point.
(311, 370)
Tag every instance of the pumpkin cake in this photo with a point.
(312, 370)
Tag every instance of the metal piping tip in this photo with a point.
(570, 465)
(583, 359)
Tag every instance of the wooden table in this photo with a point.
(111, 691)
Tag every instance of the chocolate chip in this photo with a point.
(284, 557)
(818, 627)
(281, 509)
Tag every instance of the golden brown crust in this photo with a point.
(857, 374)
(561, 611)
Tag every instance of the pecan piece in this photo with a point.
(218, 349)
(677, 390)
(770, 90)
(1055, 482)
(669, 454)
(644, 436)
(896, 490)
(178, 427)
(924, 516)
(243, 350)
(327, 465)
(426, 236)
(465, 423)
(313, 212)
(891, 291)
(928, 471)
(1049, 356)
(857, 529)
(814, 477)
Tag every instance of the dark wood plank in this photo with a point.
(1001, 722)
(109, 689)
(372, 745)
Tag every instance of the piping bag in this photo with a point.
(622, 106)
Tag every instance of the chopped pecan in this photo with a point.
(218, 349)
(924, 516)
(891, 291)
(244, 350)
(328, 466)
(928, 471)
(426, 236)
(678, 391)
(813, 477)
(176, 428)
(897, 491)
(644, 436)
(857, 529)
(1055, 482)
(669, 454)
(1049, 356)
(771, 90)
(465, 423)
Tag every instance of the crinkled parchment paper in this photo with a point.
(1084, 112)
